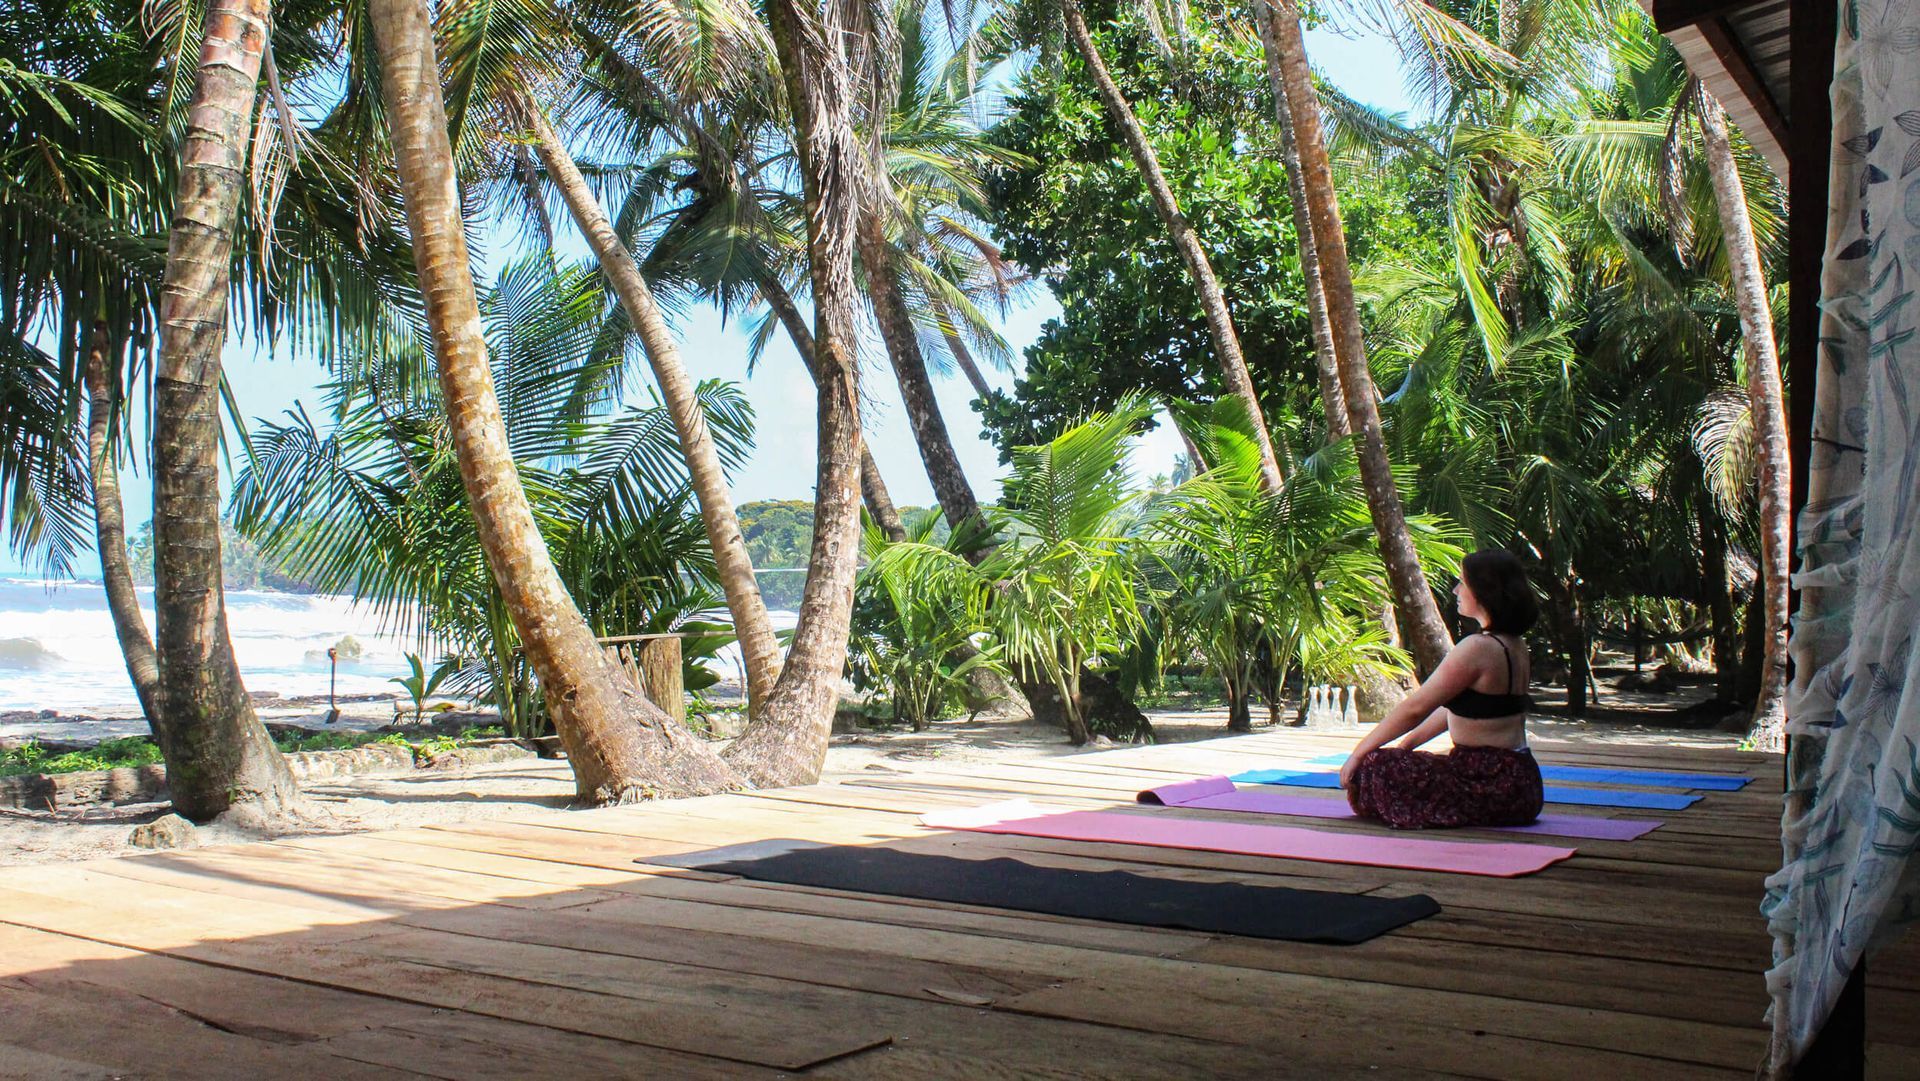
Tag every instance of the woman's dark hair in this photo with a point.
(1499, 582)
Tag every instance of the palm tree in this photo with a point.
(760, 652)
(1332, 400)
(1067, 574)
(218, 753)
(822, 54)
(1280, 578)
(1768, 410)
(1412, 598)
(375, 507)
(1226, 340)
(110, 527)
(621, 747)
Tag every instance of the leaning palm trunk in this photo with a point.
(218, 754)
(1412, 598)
(1764, 399)
(787, 742)
(622, 747)
(873, 489)
(110, 534)
(759, 649)
(962, 356)
(1325, 360)
(1226, 340)
(949, 481)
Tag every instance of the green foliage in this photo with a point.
(30, 757)
(376, 507)
(920, 624)
(1285, 578)
(1079, 215)
(421, 685)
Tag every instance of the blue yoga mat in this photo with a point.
(1645, 778)
(1590, 797)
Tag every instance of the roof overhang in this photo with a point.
(1739, 50)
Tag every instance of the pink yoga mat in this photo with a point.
(1022, 819)
(1219, 793)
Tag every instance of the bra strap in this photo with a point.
(1509, 655)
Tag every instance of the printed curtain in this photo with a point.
(1848, 881)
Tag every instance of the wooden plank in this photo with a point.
(778, 1024)
(149, 1041)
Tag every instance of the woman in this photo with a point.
(1478, 696)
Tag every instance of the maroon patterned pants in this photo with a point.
(1471, 786)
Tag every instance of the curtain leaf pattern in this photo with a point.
(1848, 881)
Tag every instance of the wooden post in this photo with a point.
(657, 658)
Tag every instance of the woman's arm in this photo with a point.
(1435, 724)
(1454, 675)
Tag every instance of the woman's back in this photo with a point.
(1492, 711)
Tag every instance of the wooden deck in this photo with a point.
(535, 948)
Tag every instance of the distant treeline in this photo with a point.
(242, 564)
(779, 532)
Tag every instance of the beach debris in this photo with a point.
(167, 831)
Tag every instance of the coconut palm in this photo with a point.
(1068, 570)
(1412, 598)
(621, 747)
(826, 58)
(218, 753)
(1226, 340)
(920, 621)
(375, 506)
(1280, 578)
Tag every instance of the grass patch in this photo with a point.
(31, 757)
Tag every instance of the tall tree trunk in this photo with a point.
(962, 356)
(1719, 605)
(949, 480)
(787, 743)
(218, 753)
(1326, 363)
(110, 532)
(873, 489)
(759, 649)
(621, 746)
(1226, 340)
(1412, 598)
(1767, 404)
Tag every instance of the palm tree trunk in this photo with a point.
(110, 533)
(622, 747)
(1719, 604)
(1766, 401)
(759, 649)
(957, 349)
(1226, 340)
(949, 480)
(218, 753)
(1325, 361)
(873, 489)
(1412, 598)
(787, 743)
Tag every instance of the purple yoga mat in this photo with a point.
(1022, 819)
(1219, 793)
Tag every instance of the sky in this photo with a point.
(266, 385)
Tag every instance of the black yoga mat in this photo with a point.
(1234, 908)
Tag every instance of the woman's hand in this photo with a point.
(1348, 767)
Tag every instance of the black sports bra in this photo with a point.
(1478, 705)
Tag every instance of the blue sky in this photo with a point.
(265, 385)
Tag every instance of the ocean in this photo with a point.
(58, 650)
